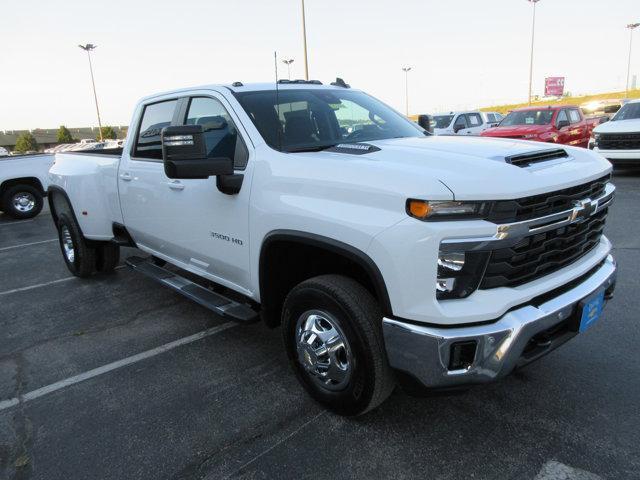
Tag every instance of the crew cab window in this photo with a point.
(574, 116)
(220, 133)
(155, 117)
(562, 116)
(491, 118)
(474, 119)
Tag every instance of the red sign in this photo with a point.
(554, 86)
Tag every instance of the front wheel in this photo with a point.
(333, 337)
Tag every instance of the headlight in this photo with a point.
(459, 273)
(445, 210)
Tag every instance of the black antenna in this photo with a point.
(275, 60)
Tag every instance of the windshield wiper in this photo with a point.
(310, 148)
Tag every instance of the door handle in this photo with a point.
(175, 185)
(126, 177)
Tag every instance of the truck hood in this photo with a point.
(516, 131)
(619, 126)
(472, 168)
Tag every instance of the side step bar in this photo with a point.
(213, 301)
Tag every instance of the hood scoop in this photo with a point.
(525, 160)
(353, 148)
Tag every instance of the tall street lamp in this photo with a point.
(304, 38)
(631, 27)
(533, 33)
(288, 62)
(406, 71)
(88, 48)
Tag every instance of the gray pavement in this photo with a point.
(226, 405)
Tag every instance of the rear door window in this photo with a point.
(155, 117)
(574, 115)
(474, 119)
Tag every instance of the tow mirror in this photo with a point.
(562, 124)
(184, 154)
(425, 122)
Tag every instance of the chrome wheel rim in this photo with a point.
(323, 350)
(67, 244)
(24, 202)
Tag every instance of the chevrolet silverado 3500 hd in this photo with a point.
(385, 253)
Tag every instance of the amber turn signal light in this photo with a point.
(419, 208)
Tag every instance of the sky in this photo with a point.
(463, 53)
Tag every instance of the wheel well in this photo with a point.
(33, 181)
(287, 259)
(59, 203)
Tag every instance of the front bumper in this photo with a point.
(519, 337)
(629, 157)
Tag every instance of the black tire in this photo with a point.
(83, 263)
(359, 319)
(107, 257)
(31, 194)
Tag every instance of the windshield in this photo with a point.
(442, 121)
(630, 111)
(528, 117)
(315, 119)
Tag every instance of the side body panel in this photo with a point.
(90, 183)
(26, 166)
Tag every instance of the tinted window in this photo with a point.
(461, 122)
(562, 117)
(491, 118)
(220, 133)
(154, 118)
(574, 115)
(629, 111)
(300, 119)
(442, 121)
(528, 117)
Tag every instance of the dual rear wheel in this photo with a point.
(83, 258)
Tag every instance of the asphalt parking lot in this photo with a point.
(117, 377)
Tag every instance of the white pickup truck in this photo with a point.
(24, 180)
(386, 254)
(619, 139)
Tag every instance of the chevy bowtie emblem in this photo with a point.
(583, 209)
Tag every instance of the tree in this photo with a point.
(26, 143)
(108, 133)
(64, 135)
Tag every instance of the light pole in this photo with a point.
(406, 71)
(288, 62)
(631, 27)
(533, 35)
(304, 38)
(87, 48)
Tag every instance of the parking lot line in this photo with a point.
(27, 244)
(17, 222)
(40, 392)
(45, 284)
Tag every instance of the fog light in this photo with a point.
(462, 355)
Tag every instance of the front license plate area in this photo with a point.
(590, 310)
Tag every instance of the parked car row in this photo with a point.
(85, 144)
(619, 139)
(465, 123)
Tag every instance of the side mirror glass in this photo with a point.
(562, 124)
(184, 154)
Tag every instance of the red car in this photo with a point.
(554, 124)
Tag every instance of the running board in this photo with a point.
(213, 301)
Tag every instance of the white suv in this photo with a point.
(464, 123)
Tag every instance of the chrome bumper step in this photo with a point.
(219, 304)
